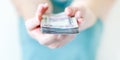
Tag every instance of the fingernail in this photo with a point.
(68, 11)
(40, 7)
(45, 4)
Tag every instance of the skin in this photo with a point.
(86, 13)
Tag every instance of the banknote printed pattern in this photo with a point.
(59, 24)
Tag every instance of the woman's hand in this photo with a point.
(85, 17)
(81, 13)
(49, 40)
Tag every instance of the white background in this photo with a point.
(9, 43)
(9, 39)
(110, 45)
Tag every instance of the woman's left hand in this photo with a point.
(83, 15)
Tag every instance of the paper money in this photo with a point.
(59, 24)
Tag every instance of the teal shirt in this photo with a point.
(82, 47)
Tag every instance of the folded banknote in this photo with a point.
(59, 24)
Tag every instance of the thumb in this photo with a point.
(68, 11)
(35, 22)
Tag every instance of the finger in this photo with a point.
(79, 16)
(54, 45)
(70, 11)
(44, 39)
(63, 39)
(57, 43)
(31, 24)
(41, 10)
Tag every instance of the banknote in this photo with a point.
(59, 24)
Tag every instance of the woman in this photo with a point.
(83, 46)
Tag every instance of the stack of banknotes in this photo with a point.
(59, 24)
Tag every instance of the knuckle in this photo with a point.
(44, 42)
(54, 46)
